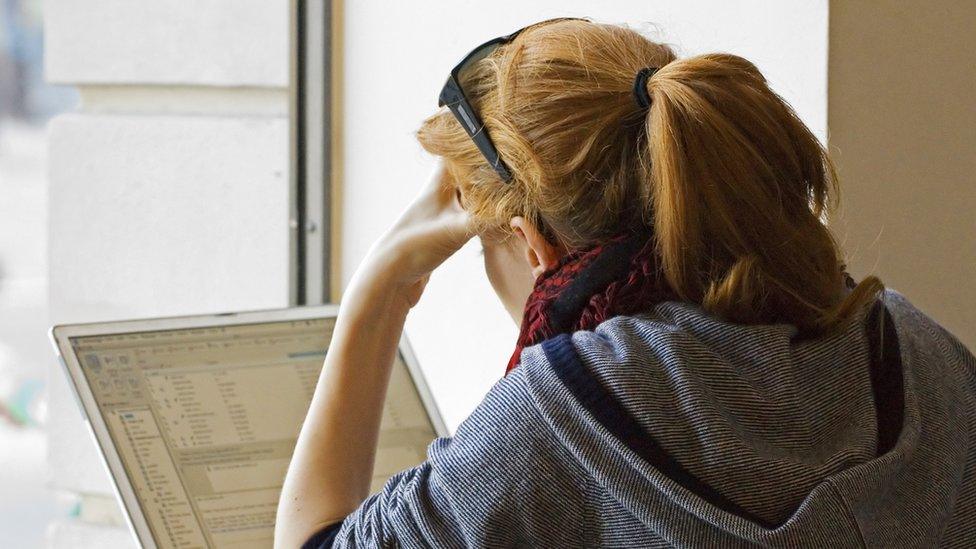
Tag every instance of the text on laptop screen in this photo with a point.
(205, 422)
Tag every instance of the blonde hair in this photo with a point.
(733, 185)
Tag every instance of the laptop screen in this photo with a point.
(205, 421)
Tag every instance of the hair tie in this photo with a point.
(640, 86)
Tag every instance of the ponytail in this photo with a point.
(740, 187)
(717, 165)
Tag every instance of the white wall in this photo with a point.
(168, 186)
(397, 56)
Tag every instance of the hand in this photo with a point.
(432, 228)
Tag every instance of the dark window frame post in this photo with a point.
(310, 150)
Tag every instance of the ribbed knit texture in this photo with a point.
(587, 286)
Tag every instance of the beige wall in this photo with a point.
(902, 129)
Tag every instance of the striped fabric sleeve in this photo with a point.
(472, 490)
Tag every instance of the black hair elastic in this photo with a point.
(640, 86)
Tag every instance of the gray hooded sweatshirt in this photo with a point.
(673, 428)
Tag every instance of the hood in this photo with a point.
(748, 435)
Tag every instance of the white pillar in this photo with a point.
(168, 186)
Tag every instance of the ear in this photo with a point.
(539, 252)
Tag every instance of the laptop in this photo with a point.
(196, 417)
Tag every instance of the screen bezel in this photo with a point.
(61, 335)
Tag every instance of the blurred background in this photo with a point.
(148, 160)
(27, 102)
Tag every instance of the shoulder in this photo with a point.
(924, 338)
(912, 320)
(493, 483)
(507, 473)
(507, 403)
(500, 443)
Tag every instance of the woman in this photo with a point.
(694, 366)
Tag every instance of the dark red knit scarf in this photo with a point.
(618, 277)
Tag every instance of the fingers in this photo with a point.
(442, 192)
(438, 211)
(463, 227)
(446, 189)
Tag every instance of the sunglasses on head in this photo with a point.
(453, 96)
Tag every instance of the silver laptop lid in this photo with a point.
(196, 417)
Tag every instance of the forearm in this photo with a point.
(332, 465)
(331, 469)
